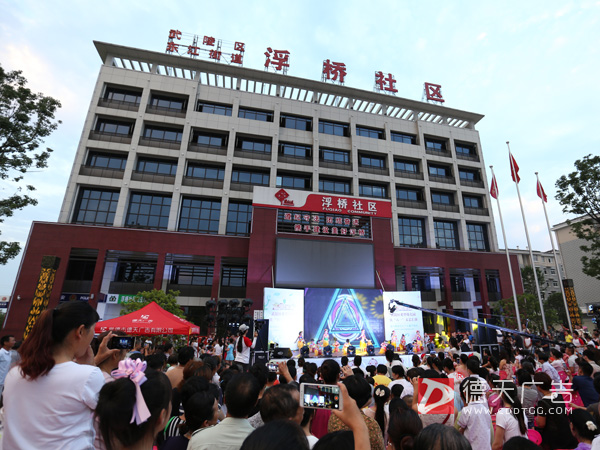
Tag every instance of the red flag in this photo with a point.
(514, 169)
(494, 188)
(540, 192)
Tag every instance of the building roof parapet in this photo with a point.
(283, 86)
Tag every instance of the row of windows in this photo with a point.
(133, 96)
(442, 198)
(412, 234)
(151, 211)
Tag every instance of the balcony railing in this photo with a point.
(244, 187)
(161, 110)
(123, 287)
(101, 172)
(467, 157)
(442, 179)
(252, 154)
(202, 182)
(471, 183)
(153, 177)
(118, 104)
(418, 204)
(195, 147)
(335, 165)
(431, 151)
(411, 175)
(77, 286)
(295, 160)
(110, 137)
(444, 207)
(374, 170)
(477, 211)
(160, 143)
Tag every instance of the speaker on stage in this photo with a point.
(304, 351)
(486, 336)
(351, 350)
(371, 350)
(327, 350)
(282, 352)
(260, 357)
(262, 341)
(409, 349)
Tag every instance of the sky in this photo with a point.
(529, 67)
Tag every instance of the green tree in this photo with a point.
(166, 300)
(555, 302)
(26, 119)
(529, 280)
(579, 193)
(529, 310)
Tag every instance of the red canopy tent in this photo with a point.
(147, 321)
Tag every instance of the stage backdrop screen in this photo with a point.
(285, 310)
(345, 313)
(308, 263)
(400, 319)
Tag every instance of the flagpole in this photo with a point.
(512, 280)
(537, 285)
(562, 289)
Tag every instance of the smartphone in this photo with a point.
(321, 396)
(121, 342)
(272, 367)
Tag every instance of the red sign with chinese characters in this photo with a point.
(385, 82)
(334, 71)
(433, 92)
(307, 201)
(211, 48)
(278, 59)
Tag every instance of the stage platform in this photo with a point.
(366, 360)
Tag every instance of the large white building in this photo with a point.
(178, 178)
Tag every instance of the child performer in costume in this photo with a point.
(300, 341)
(402, 344)
(363, 342)
(325, 338)
(419, 341)
(383, 348)
(336, 345)
(394, 340)
(345, 347)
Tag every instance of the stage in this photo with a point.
(366, 360)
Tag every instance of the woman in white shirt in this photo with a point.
(510, 420)
(49, 398)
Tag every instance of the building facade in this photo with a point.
(544, 261)
(216, 180)
(586, 287)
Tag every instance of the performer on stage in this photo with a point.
(314, 349)
(345, 347)
(383, 348)
(394, 340)
(300, 341)
(336, 345)
(325, 338)
(419, 341)
(402, 346)
(363, 342)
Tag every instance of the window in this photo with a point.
(553, 271)
(111, 126)
(167, 102)
(404, 138)
(295, 122)
(295, 150)
(439, 171)
(412, 232)
(254, 145)
(337, 129)
(122, 95)
(209, 139)
(411, 195)
(205, 172)
(199, 215)
(294, 181)
(162, 133)
(478, 237)
(96, 207)
(334, 186)
(255, 114)
(467, 150)
(106, 160)
(148, 211)
(469, 175)
(436, 145)
(446, 235)
(233, 276)
(80, 269)
(135, 272)
(555, 283)
(369, 132)
(372, 190)
(239, 217)
(155, 166)
(443, 198)
(406, 166)
(472, 202)
(247, 176)
(213, 108)
(193, 275)
(374, 162)
(335, 156)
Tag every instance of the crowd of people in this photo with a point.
(66, 393)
